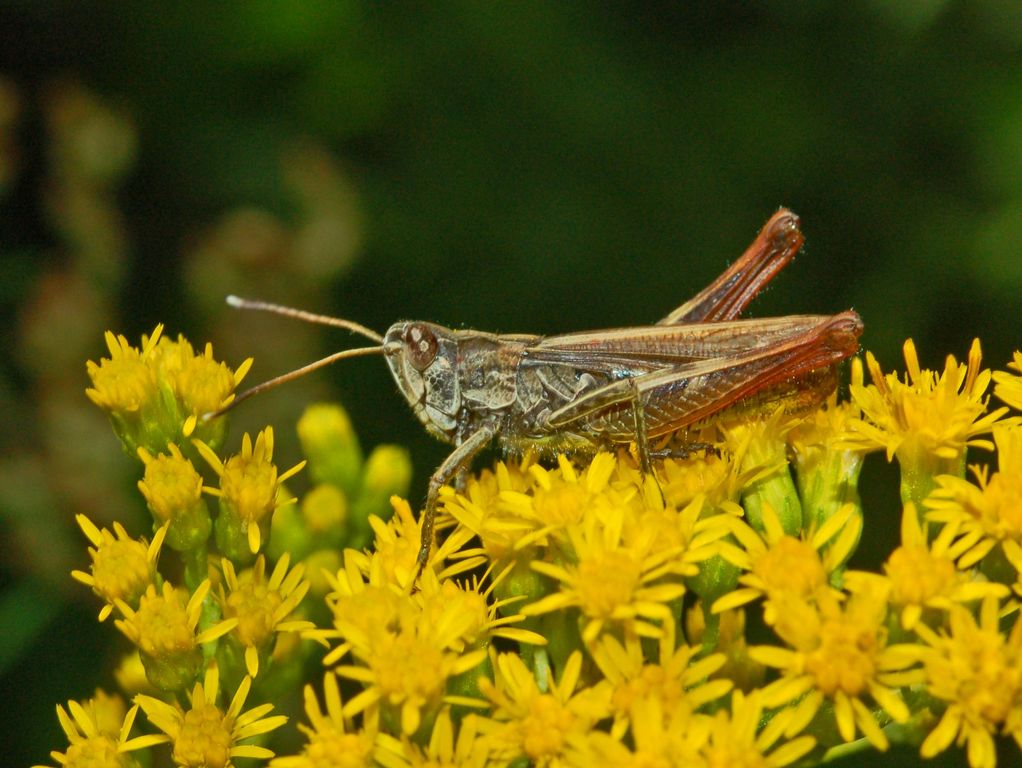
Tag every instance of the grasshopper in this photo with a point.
(580, 392)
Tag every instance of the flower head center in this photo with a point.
(254, 605)
(163, 625)
(205, 738)
(607, 582)
(845, 659)
(790, 566)
(545, 726)
(249, 484)
(121, 570)
(917, 575)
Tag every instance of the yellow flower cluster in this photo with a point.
(570, 615)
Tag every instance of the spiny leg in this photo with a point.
(641, 440)
(459, 458)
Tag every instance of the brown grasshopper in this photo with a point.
(580, 392)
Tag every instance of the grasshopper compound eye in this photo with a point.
(421, 344)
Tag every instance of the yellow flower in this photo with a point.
(468, 749)
(677, 676)
(714, 476)
(203, 735)
(779, 566)
(661, 737)
(735, 737)
(1008, 386)
(839, 653)
(538, 725)
(200, 384)
(249, 486)
(332, 742)
(405, 648)
(122, 568)
(173, 492)
(624, 583)
(474, 617)
(518, 507)
(97, 731)
(977, 670)
(928, 420)
(164, 631)
(397, 543)
(262, 606)
(921, 573)
(124, 383)
(158, 393)
(989, 513)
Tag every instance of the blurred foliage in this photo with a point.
(530, 167)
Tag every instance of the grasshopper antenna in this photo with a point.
(309, 317)
(300, 314)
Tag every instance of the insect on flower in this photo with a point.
(583, 391)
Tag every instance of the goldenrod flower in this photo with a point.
(332, 741)
(736, 737)
(714, 476)
(203, 735)
(122, 568)
(1008, 386)
(778, 566)
(839, 653)
(397, 542)
(661, 736)
(468, 749)
(518, 507)
(124, 383)
(405, 656)
(469, 616)
(988, 513)
(262, 606)
(676, 676)
(629, 583)
(156, 394)
(927, 420)
(173, 492)
(97, 731)
(538, 724)
(125, 386)
(977, 670)
(163, 629)
(479, 510)
(921, 573)
(249, 486)
(200, 384)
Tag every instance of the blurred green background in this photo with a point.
(533, 167)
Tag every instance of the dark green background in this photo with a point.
(539, 167)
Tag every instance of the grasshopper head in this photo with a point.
(423, 360)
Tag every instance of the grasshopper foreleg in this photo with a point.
(452, 465)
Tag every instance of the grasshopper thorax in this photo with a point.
(423, 361)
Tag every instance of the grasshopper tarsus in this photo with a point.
(584, 391)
